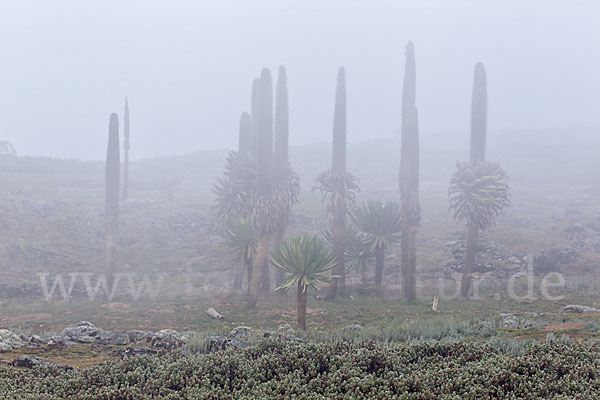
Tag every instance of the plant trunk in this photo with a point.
(411, 292)
(409, 176)
(471, 252)
(238, 276)
(126, 151)
(404, 246)
(409, 262)
(363, 274)
(280, 276)
(338, 283)
(262, 254)
(478, 113)
(249, 267)
(112, 229)
(266, 277)
(111, 196)
(338, 164)
(302, 292)
(126, 173)
(379, 260)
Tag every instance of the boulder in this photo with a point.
(35, 342)
(9, 341)
(574, 308)
(136, 336)
(5, 348)
(241, 332)
(168, 334)
(167, 339)
(509, 320)
(58, 342)
(83, 332)
(107, 337)
(32, 362)
(223, 343)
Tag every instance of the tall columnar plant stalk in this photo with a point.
(281, 157)
(112, 182)
(245, 138)
(248, 189)
(126, 151)
(478, 133)
(255, 109)
(409, 176)
(338, 206)
(478, 113)
(263, 123)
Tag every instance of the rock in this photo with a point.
(107, 337)
(241, 332)
(574, 308)
(224, 343)
(58, 342)
(136, 336)
(168, 334)
(32, 362)
(514, 260)
(35, 342)
(214, 314)
(528, 324)
(9, 341)
(167, 339)
(83, 332)
(509, 320)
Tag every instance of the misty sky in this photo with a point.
(187, 67)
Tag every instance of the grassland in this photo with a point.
(51, 223)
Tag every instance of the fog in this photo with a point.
(299, 199)
(187, 68)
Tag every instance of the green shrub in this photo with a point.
(280, 370)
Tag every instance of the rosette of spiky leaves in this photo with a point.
(306, 259)
(357, 249)
(236, 188)
(286, 193)
(380, 222)
(241, 237)
(478, 192)
(337, 189)
(270, 213)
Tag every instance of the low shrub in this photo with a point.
(343, 370)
